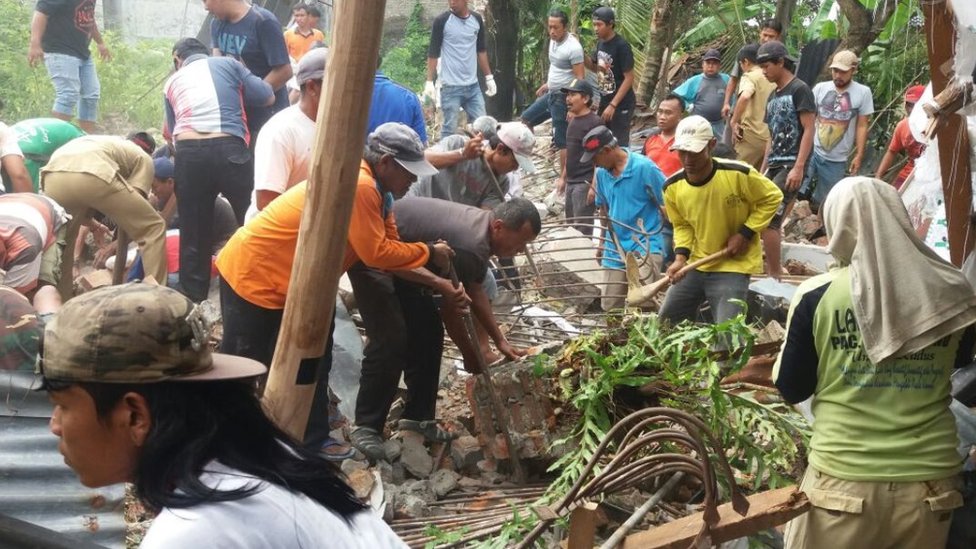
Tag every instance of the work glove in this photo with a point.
(491, 88)
(430, 93)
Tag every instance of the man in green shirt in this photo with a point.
(38, 138)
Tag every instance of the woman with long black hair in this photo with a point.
(140, 398)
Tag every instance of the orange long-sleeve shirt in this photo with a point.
(257, 260)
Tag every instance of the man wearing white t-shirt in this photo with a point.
(12, 162)
(284, 146)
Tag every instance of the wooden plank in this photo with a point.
(766, 509)
(582, 526)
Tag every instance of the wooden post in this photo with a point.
(954, 145)
(339, 138)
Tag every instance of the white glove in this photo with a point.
(430, 93)
(490, 84)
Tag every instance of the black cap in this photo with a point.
(604, 14)
(772, 50)
(578, 86)
(712, 53)
(594, 140)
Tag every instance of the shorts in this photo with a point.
(777, 174)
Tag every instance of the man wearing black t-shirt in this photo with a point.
(613, 62)
(790, 116)
(61, 33)
(577, 175)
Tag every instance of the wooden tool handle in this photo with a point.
(704, 261)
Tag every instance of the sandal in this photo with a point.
(336, 450)
(368, 441)
(430, 429)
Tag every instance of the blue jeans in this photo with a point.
(455, 98)
(822, 175)
(685, 298)
(75, 83)
(550, 105)
(718, 128)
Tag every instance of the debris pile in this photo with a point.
(803, 226)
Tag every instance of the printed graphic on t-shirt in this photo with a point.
(85, 17)
(231, 45)
(834, 115)
(784, 127)
(608, 86)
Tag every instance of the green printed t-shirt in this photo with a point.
(38, 138)
(874, 422)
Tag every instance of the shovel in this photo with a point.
(638, 296)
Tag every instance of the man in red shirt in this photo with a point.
(658, 144)
(902, 141)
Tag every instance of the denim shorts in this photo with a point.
(75, 83)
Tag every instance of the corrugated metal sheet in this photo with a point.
(35, 484)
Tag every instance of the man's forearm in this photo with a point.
(729, 90)
(431, 68)
(740, 108)
(483, 63)
(420, 275)
(806, 143)
(861, 137)
(481, 308)
(96, 35)
(278, 76)
(625, 85)
(38, 26)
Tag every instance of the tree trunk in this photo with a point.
(112, 15)
(658, 40)
(784, 14)
(501, 20)
(864, 25)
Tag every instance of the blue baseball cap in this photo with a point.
(163, 168)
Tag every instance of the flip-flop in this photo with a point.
(431, 429)
(335, 450)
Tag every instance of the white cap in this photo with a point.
(518, 137)
(692, 134)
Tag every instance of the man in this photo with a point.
(613, 62)
(902, 141)
(476, 176)
(565, 65)
(402, 322)
(113, 176)
(578, 176)
(37, 139)
(789, 115)
(457, 41)
(394, 103)
(140, 398)
(61, 34)
(704, 92)
(657, 147)
(205, 103)
(628, 193)
(29, 227)
(284, 147)
(771, 30)
(749, 130)
(16, 178)
(252, 35)
(843, 108)
(255, 265)
(883, 465)
(714, 205)
(300, 39)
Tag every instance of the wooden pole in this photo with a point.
(953, 137)
(339, 138)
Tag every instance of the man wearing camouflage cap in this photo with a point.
(139, 397)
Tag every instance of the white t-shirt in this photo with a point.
(271, 517)
(281, 153)
(562, 56)
(8, 142)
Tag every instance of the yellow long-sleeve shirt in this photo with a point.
(735, 198)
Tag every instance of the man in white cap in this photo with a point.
(714, 205)
(874, 342)
(284, 146)
(627, 190)
(843, 110)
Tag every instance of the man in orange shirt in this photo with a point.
(902, 141)
(300, 39)
(255, 265)
(658, 144)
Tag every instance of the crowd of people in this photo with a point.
(218, 208)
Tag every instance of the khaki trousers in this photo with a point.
(615, 281)
(874, 515)
(79, 193)
(751, 150)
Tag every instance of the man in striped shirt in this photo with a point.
(29, 224)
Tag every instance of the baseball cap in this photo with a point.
(312, 65)
(594, 140)
(772, 50)
(518, 137)
(163, 168)
(400, 141)
(692, 134)
(604, 14)
(578, 86)
(135, 333)
(914, 93)
(712, 53)
(844, 60)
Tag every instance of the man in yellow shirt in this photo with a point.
(714, 205)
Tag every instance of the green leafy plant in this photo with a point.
(406, 62)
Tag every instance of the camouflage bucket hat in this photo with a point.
(135, 333)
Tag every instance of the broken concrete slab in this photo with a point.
(443, 482)
(361, 481)
(415, 458)
(567, 261)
